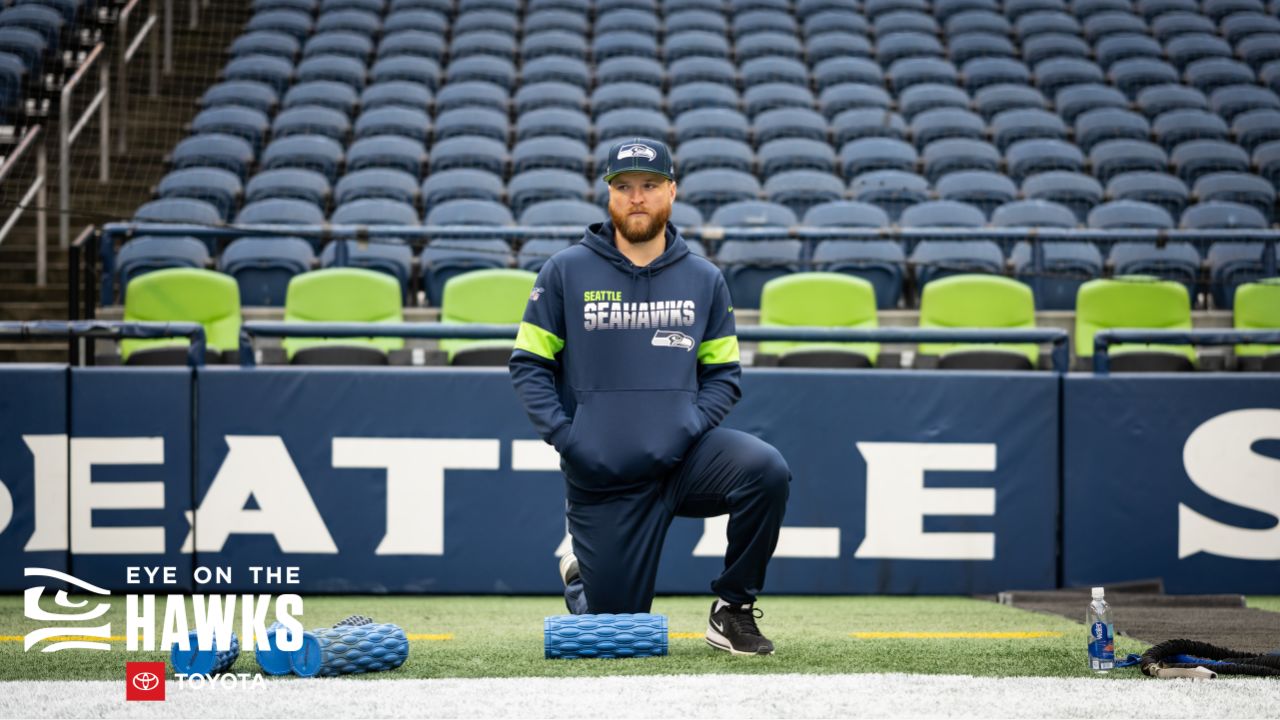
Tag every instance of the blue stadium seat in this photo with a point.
(1243, 188)
(555, 41)
(482, 42)
(710, 122)
(790, 154)
(756, 21)
(1159, 99)
(558, 68)
(1156, 188)
(327, 93)
(290, 22)
(1104, 124)
(966, 46)
(461, 183)
(840, 70)
(1134, 75)
(474, 121)
(393, 120)
(563, 212)
(838, 98)
(246, 122)
(684, 215)
(1186, 49)
(1232, 100)
(648, 72)
(424, 20)
(297, 183)
(469, 212)
(1033, 213)
(862, 156)
(312, 152)
(700, 68)
(1221, 214)
(386, 255)
(866, 122)
(789, 123)
(1057, 73)
(535, 186)
(380, 183)
(266, 42)
(770, 69)
(699, 96)
(1255, 127)
(983, 72)
(1032, 157)
(1232, 264)
(1114, 48)
(351, 20)
(537, 96)
(471, 93)
(836, 43)
(754, 213)
(269, 69)
(846, 213)
(984, 190)
(620, 96)
(633, 123)
(1012, 126)
(1266, 158)
(412, 42)
(215, 186)
(776, 96)
(1196, 158)
(995, 99)
(549, 152)
(749, 264)
(1209, 74)
(973, 21)
(635, 20)
(1176, 261)
(145, 253)
(709, 189)
(879, 262)
(219, 150)
(374, 211)
(562, 19)
(900, 45)
(618, 43)
(311, 120)
(943, 123)
(469, 152)
(263, 266)
(337, 68)
(535, 252)
(890, 190)
(184, 210)
(557, 122)
(1114, 157)
(1067, 266)
(280, 211)
(483, 68)
(387, 151)
(711, 152)
(1119, 214)
(1076, 191)
(1073, 101)
(1178, 126)
(936, 259)
(955, 154)
(446, 258)
(942, 213)
(921, 70)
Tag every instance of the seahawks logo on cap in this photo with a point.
(636, 150)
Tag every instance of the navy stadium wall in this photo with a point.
(401, 480)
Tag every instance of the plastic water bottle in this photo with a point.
(1102, 648)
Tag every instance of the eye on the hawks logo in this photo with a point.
(537, 293)
(144, 681)
(636, 150)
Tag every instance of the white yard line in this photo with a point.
(669, 696)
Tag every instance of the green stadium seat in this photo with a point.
(494, 296)
(1257, 307)
(342, 295)
(1135, 302)
(182, 295)
(821, 299)
(978, 301)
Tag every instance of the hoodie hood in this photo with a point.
(599, 237)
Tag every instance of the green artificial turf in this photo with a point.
(502, 637)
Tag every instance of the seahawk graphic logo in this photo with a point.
(671, 338)
(636, 150)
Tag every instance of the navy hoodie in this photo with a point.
(621, 368)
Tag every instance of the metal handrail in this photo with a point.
(126, 49)
(1106, 338)
(754, 333)
(67, 134)
(77, 349)
(39, 190)
(115, 330)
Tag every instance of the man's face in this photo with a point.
(640, 204)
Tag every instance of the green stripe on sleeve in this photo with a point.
(719, 351)
(534, 339)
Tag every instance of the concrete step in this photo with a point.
(25, 273)
(34, 352)
(27, 310)
(52, 293)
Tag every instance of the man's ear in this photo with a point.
(673, 190)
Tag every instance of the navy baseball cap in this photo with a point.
(639, 155)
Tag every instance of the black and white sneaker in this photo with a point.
(568, 568)
(733, 628)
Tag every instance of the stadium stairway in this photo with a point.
(155, 126)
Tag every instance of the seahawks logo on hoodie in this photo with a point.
(671, 338)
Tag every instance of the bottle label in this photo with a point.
(1102, 649)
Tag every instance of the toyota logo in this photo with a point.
(145, 681)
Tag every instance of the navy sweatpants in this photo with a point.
(618, 541)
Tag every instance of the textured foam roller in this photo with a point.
(273, 660)
(605, 636)
(195, 661)
(350, 649)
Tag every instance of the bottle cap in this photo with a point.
(1097, 593)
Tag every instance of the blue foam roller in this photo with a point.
(195, 661)
(273, 660)
(350, 649)
(605, 636)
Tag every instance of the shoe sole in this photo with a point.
(718, 641)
